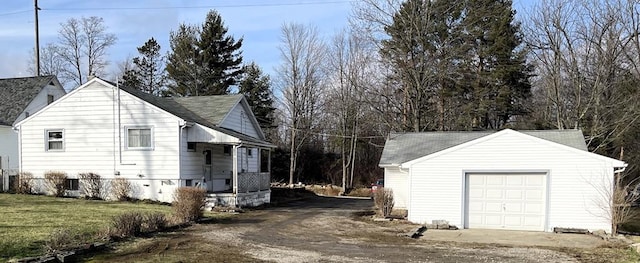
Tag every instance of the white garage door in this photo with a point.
(506, 201)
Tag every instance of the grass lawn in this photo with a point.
(26, 221)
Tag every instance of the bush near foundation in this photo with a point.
(55, 182)
(91, 185)
(24, 183)
(121, 189)
(383, 199)
(188, 203)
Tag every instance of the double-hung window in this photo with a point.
(54, 140)
(139, 138)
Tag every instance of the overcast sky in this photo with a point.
(135, 21)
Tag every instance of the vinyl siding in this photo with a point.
(89, 119)
(239, 121)
(575, 180)
(398, 181)
(8, 148)
(40, 101)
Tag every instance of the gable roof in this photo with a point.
(197, 109)
(212, 108)
(17, 93)
(404, 147)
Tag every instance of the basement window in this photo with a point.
(54, 140)
(72, 184)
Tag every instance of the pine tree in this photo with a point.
(203, 60)
(147, 74)
(256, 88)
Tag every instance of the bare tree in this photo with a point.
(80, 51)
(300, 79)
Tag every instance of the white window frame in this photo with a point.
(126, 137)
(47, 140)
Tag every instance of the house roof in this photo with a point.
(404, 147)
(17, 93)
(197, 109)
(212, 108)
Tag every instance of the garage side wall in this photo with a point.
(576, 181)
(399, 182)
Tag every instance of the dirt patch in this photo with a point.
(324, 229)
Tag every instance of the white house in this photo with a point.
(157, 143)
(527, 180)
(19, 98)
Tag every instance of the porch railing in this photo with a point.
(252, 182)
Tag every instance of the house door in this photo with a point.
(206, 169)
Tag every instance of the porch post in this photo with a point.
(235, 169)
(269, 163)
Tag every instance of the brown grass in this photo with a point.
(360, 192)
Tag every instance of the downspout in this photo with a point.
(182, 124)
(5, 182)
(234, 153)
(120, 128)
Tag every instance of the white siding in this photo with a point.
(239, 121)
(89, 118)
(398, 181)
(575, 180)
(40, 101)
(8, 148)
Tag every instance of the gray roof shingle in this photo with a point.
(404, 147)
(196, 109)
(17, 93)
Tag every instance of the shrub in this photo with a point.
(55, 182)
(91, 185)
(383, 199)
(121, 189)
(188, 203)
(153, 222)
(24, 183)
(62, 239)
(125, 225)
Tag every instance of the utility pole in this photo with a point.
(36, 8)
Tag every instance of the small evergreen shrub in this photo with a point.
(121, 189)
(188, 203)
(55, 182)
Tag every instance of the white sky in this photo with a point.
(135, 21)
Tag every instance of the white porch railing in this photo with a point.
(253, 182)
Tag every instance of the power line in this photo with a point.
(15, 13)
(199, 7)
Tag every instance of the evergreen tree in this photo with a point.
(256, 88)
(203, 60)
(148, 73)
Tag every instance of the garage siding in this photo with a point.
(398, 181)
(575, 180)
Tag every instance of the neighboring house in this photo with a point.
(19, 98)
(528, 180)
(157, 143)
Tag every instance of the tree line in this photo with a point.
(404, 66)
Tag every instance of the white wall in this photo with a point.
(575, 180)
(399, 182)
(9, 138)
(239, 121)
(89, 118)
(8, 148)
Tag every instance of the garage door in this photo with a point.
(506, 201)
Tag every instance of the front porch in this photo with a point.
(253, 189)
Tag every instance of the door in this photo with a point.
(207, 169)
(506, 201)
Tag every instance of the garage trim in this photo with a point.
(465, 204)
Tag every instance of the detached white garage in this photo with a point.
(514, 180)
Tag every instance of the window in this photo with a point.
(50, 99)
(249, 152)
(139, 138)
(191, 146)
(55, 140)
(26, 114)
(71, 184)
(227, 149)
(188, 182)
